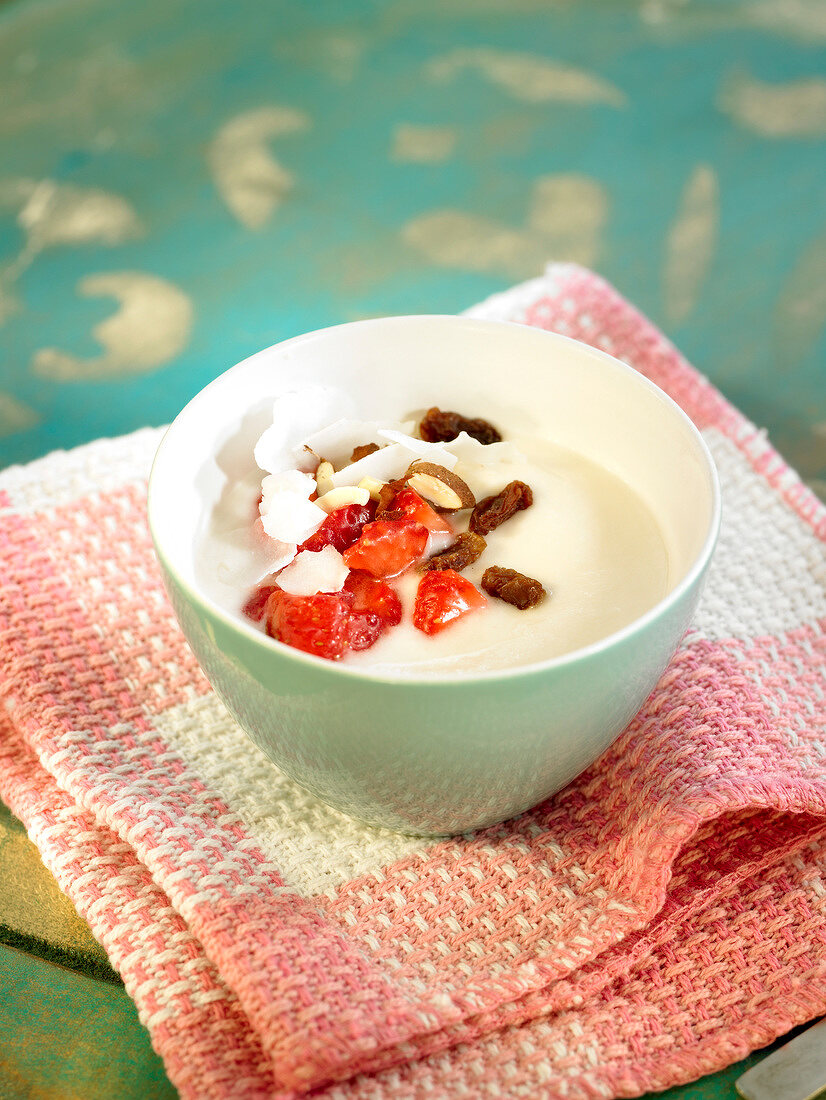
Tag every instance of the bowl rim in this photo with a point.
(434, 678)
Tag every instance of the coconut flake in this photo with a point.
(392, 461)
(311, 572)
(297, 415)
(465, 448)
(247, 555)
(337, 441)
(287, 481)
(438, 453)
(290, 517)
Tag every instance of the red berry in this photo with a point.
(442, 598)
(255, 605)
(387, 547)
(411, 504)
(317, 624)
(341, 528)
(363, 629)
(373, 596)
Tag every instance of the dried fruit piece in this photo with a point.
(373, 596)
(463, 552)
(512, 587)
(363, 451)
(255, 605)
(341, 528)
(386, 497)
(387, 547)
(408, 504)
(442, 598)
(440, 486)
(494, 510)
(363, 630)
(440, 427)
(315, 624)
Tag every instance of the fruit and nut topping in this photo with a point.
(491, 512)
(437, 426)
(460, 554)
(382, 503)
(512, 587)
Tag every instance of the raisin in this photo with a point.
(363, 451)
(494, 510)
(463, 552)
(512, 587)
(440, 427)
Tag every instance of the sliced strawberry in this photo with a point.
(341, 528)
(255, 605)
(363, 629)
(442, 598)
(316, 624)
(373, 596)
(410, 504)
(387, 547)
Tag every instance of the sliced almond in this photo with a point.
(323, 477)
(372, 485)
(440, 486)
(340, 498)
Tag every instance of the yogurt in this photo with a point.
(588, 538)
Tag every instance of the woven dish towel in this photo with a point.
(656, 920)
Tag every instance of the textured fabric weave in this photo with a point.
(656, 920)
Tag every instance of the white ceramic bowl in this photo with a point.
(419, 753)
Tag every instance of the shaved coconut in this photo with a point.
(290, 517)
(323, 571)
(287, 481)
(296, 415)
(437, 453)
(337, 441)
(392, 461)
(467, 449)
(248, 555)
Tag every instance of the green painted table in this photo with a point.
(182, 183)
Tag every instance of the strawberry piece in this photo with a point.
(255, 605)
(442, 598)
(373, 596)
(341, 528)
(387, 547)
(316, 624)
(410, 504)
(363, 629)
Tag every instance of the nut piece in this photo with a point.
(372, 485)
(512, 587)
(461, 553)
(363, 451)
(494, 510)
(440, 427)
(323, 477)
(439, 486)
(340, 498)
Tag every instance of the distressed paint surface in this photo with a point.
(184, 183)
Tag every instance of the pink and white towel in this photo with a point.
(656, 920)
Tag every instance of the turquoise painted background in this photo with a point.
(185, 181)
(393, 152)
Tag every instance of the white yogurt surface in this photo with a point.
(588, 537)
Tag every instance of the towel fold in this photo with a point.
(656, 920)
